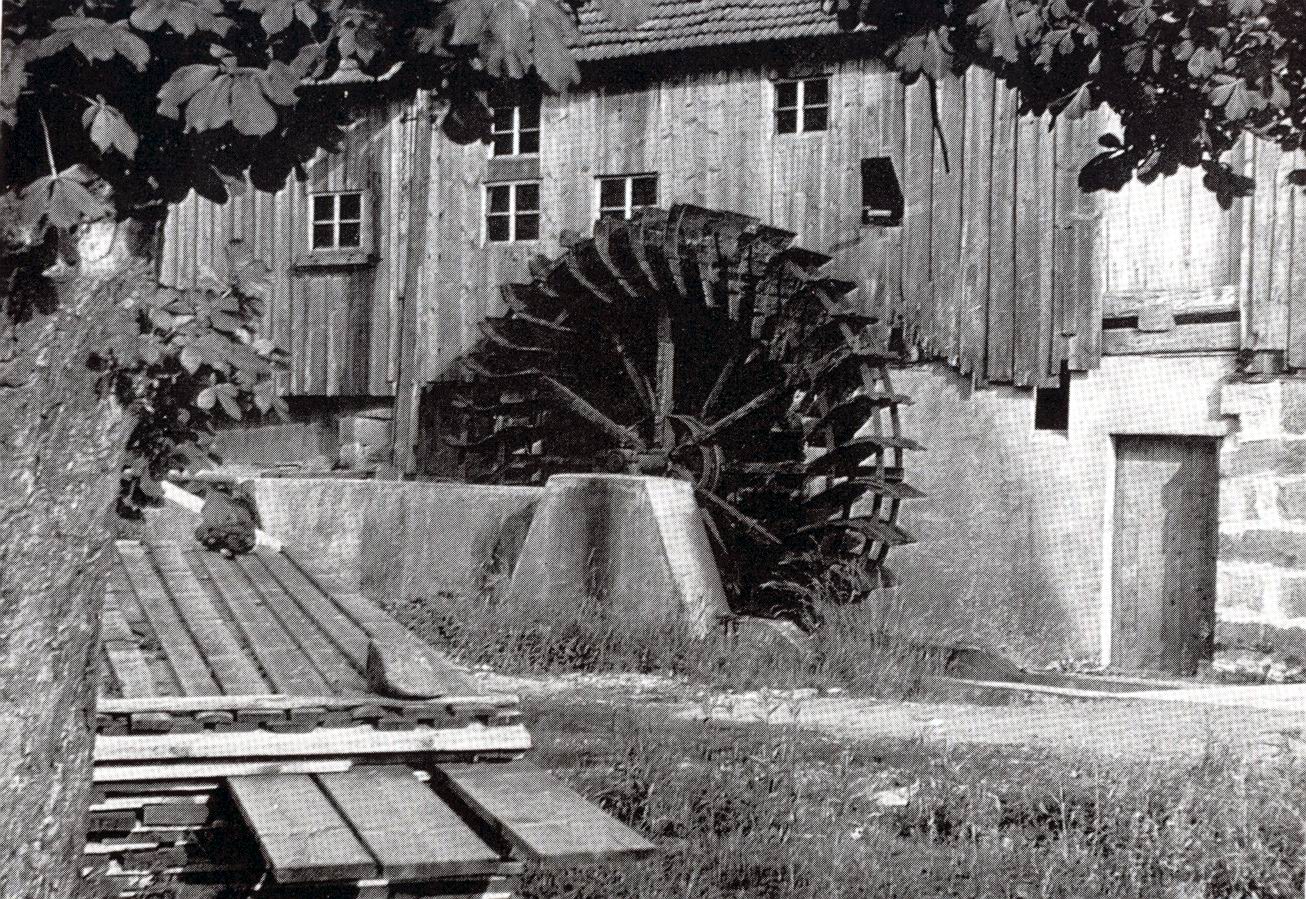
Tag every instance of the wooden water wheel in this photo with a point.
(701, 345)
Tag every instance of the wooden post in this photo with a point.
(407, 387)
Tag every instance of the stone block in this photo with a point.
(1265, 457)
(1243, 589)
(1294, 406)
(1292, 597)
(1283, 549)
(1257, 406)
(1238, 498)
(1292, 499)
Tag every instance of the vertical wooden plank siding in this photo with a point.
(1028, 358)
(1275, 322)
(975, 225)
(946, 203)
(1262, 323)
(918, 195)
(1002, 251)
(1297, 280)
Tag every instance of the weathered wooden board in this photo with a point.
(301, 835)
(539, 815)
(410, 831)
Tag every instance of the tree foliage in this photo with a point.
(1187, 78)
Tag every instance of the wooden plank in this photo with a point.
(1027, 362)
(340, 674)
(1276, 322)
(1066, 187)
(1090, 255)
(1262, 317)
(1297, 280)
(349, 639)
(300, 835)
(334, 742)
(280, 702)
(130, 670)
(945, 216)
(1217, 337)
(1203, 301)
(154, 776)
(403, 455)
(226, 658)
(408, 829)
(1000, 343)
(918, 176)
(539, 815)
(975, 216)
(378, 625)
(286, 666)
(1048, 338)
(183, 655)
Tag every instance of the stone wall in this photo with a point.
(1262, 563)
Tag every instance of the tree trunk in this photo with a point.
(61, 442)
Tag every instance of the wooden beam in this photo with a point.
(408, 829)
(539, 815)
(1219, 337)
(337, 741)
(403, 452)
(155, 775)
(279, 702)
(301, 836)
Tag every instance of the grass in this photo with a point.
(853, 649)
(772, 813)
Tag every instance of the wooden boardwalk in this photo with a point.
(242, 741)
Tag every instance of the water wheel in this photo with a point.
(700, 345)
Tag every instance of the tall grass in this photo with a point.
(771, 813)
(855, 646)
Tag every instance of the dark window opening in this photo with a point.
(515, 129)
(621, 195)
(802, 105)
(337, 221)
(882, 202)
(1052, 404)
(512, 212)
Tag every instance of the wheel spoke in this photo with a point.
(752, 525)
(642, 387)
(739, 414)
(720, 385)
(581, 407)
(666, 367)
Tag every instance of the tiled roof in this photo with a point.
(686, 24)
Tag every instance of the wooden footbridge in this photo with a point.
(253, 740)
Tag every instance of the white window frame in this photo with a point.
(515, 130)
(800, 107)
(512, 212)
(628, 206)
(334, 251)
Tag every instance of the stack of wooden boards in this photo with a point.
(241, 745)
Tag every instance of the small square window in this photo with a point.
(515, 125)
(882, 201)
(512, 212)
(1052, 404)
(802, 105)
(621, 195)
(340, 221)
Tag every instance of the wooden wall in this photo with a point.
(339, 323)
(1001, 266)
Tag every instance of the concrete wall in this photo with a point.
(1014, 548)
(396, 540)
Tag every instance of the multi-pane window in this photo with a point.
(621, 195)
(515, 130)
(512, 211)
(802, 105)
(338, 221)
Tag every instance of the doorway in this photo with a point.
(1164, 551)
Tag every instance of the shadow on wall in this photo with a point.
(984, 570)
